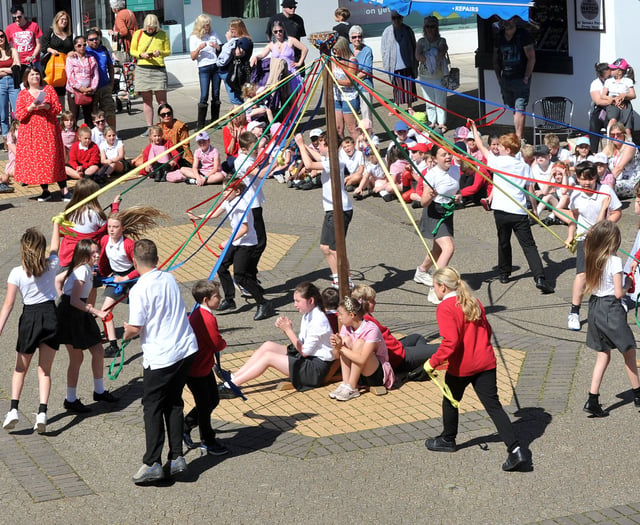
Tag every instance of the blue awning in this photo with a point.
(503, 8)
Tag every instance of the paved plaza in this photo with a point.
(301, 457)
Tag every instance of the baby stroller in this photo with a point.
(123, 89)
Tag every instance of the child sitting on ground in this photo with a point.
(331, 301)
(397, 160)
(353, 161)
(556, 196)
(582, 150)
(69, 132)
(373, 177)
(112, 154)
(99, 125)
(363, 353)
(401, 132)
(552, 141)
(206, 165)
(84, 157)
(201, 380)
(157, 146)
(604, 173)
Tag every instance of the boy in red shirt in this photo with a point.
(84, 156)
(201, 380)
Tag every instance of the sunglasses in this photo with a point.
(165, 114)
(92, 39)
(276, 31)
(616, 134)
(79, 45)
(356, 37)
(17, 17)
(98, 121)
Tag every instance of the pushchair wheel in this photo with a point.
(119, 105)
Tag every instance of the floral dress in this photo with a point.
(39, 152)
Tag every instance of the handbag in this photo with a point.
(55, 73)
(239, 74)
(82, 99)
(451, 81)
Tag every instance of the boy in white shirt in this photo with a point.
(353, 160)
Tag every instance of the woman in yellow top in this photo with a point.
(149, 46)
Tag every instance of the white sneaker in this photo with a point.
(11, 419)
(347, 393)
(423, 277)
(432, 297)
(333, 394)
(279, 177)
(41, 423)
(573, 322)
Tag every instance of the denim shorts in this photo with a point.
(515, 93)
(343, 107)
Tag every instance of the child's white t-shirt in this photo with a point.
(353, 162)
(89, 222)
(81, 273)
(36, 290)
(111, 152)
(606, 286)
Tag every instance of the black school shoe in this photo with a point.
(515, 460)
(594, 408)
(544, 286)
(440, 444)
(227, 304)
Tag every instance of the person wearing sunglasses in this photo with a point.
(82, 80)
(103, 96)
(292, 22)
(25, 37)
(284, 47)
(175, 131)
(623, 161)
(364, 56)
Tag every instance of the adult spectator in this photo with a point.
(514, 59)
(149, 46)
(398, 46)
(598, 112)
(293, 23)
(431, 53)
(39, 153)
(8, 92)
(82, 81)
(175, 131)
(25, 37)
(124, 25)
(623, 161)
(239, 45)
(284, 46)
(364, 56)
(103, 97)
(204, 45)
(57, 40)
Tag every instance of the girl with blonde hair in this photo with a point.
(466, 345)
(346, 99)
(204, 45)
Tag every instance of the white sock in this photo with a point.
(72, 393)
(540, 208)
(384, 193)
(98, 385)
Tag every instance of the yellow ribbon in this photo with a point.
(444, 388)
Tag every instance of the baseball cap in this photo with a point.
(254, 124)
(582, 141)
(462, 133)
(541, 150)
(244, 43)
(289, 3)
(315, 132)
(203, 135)
(620, 63)
(599, 158)
(401, 126)
(420, 146)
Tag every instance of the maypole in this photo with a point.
(324, 43)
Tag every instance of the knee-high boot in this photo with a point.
(215, 110)
(202, 115)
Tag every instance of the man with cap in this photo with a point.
(292, 22)
(513, 60)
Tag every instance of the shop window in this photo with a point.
(249, 8)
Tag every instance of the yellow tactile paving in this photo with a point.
(170, 238)
(315, 415)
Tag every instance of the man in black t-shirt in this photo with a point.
(514, 59)
(292, 22)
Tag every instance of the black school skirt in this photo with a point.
(38, 324)
(76, 327)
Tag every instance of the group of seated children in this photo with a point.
(94, 153)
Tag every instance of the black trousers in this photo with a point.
(206, 397)
(416, 351)
(162, 404)
(244, 270)
(484, 384)
(595, 125)
(506, 223)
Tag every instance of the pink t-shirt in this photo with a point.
(155, 150)
(370, 333)
(207, 159)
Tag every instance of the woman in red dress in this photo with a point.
(39, 151)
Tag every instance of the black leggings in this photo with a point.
(416, 352)
(484, 384)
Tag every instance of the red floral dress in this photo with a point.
(39, 151)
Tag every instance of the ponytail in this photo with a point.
(468, 303)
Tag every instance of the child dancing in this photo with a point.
(466, 345)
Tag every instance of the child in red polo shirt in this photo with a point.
(201, 380)
(84, 156)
